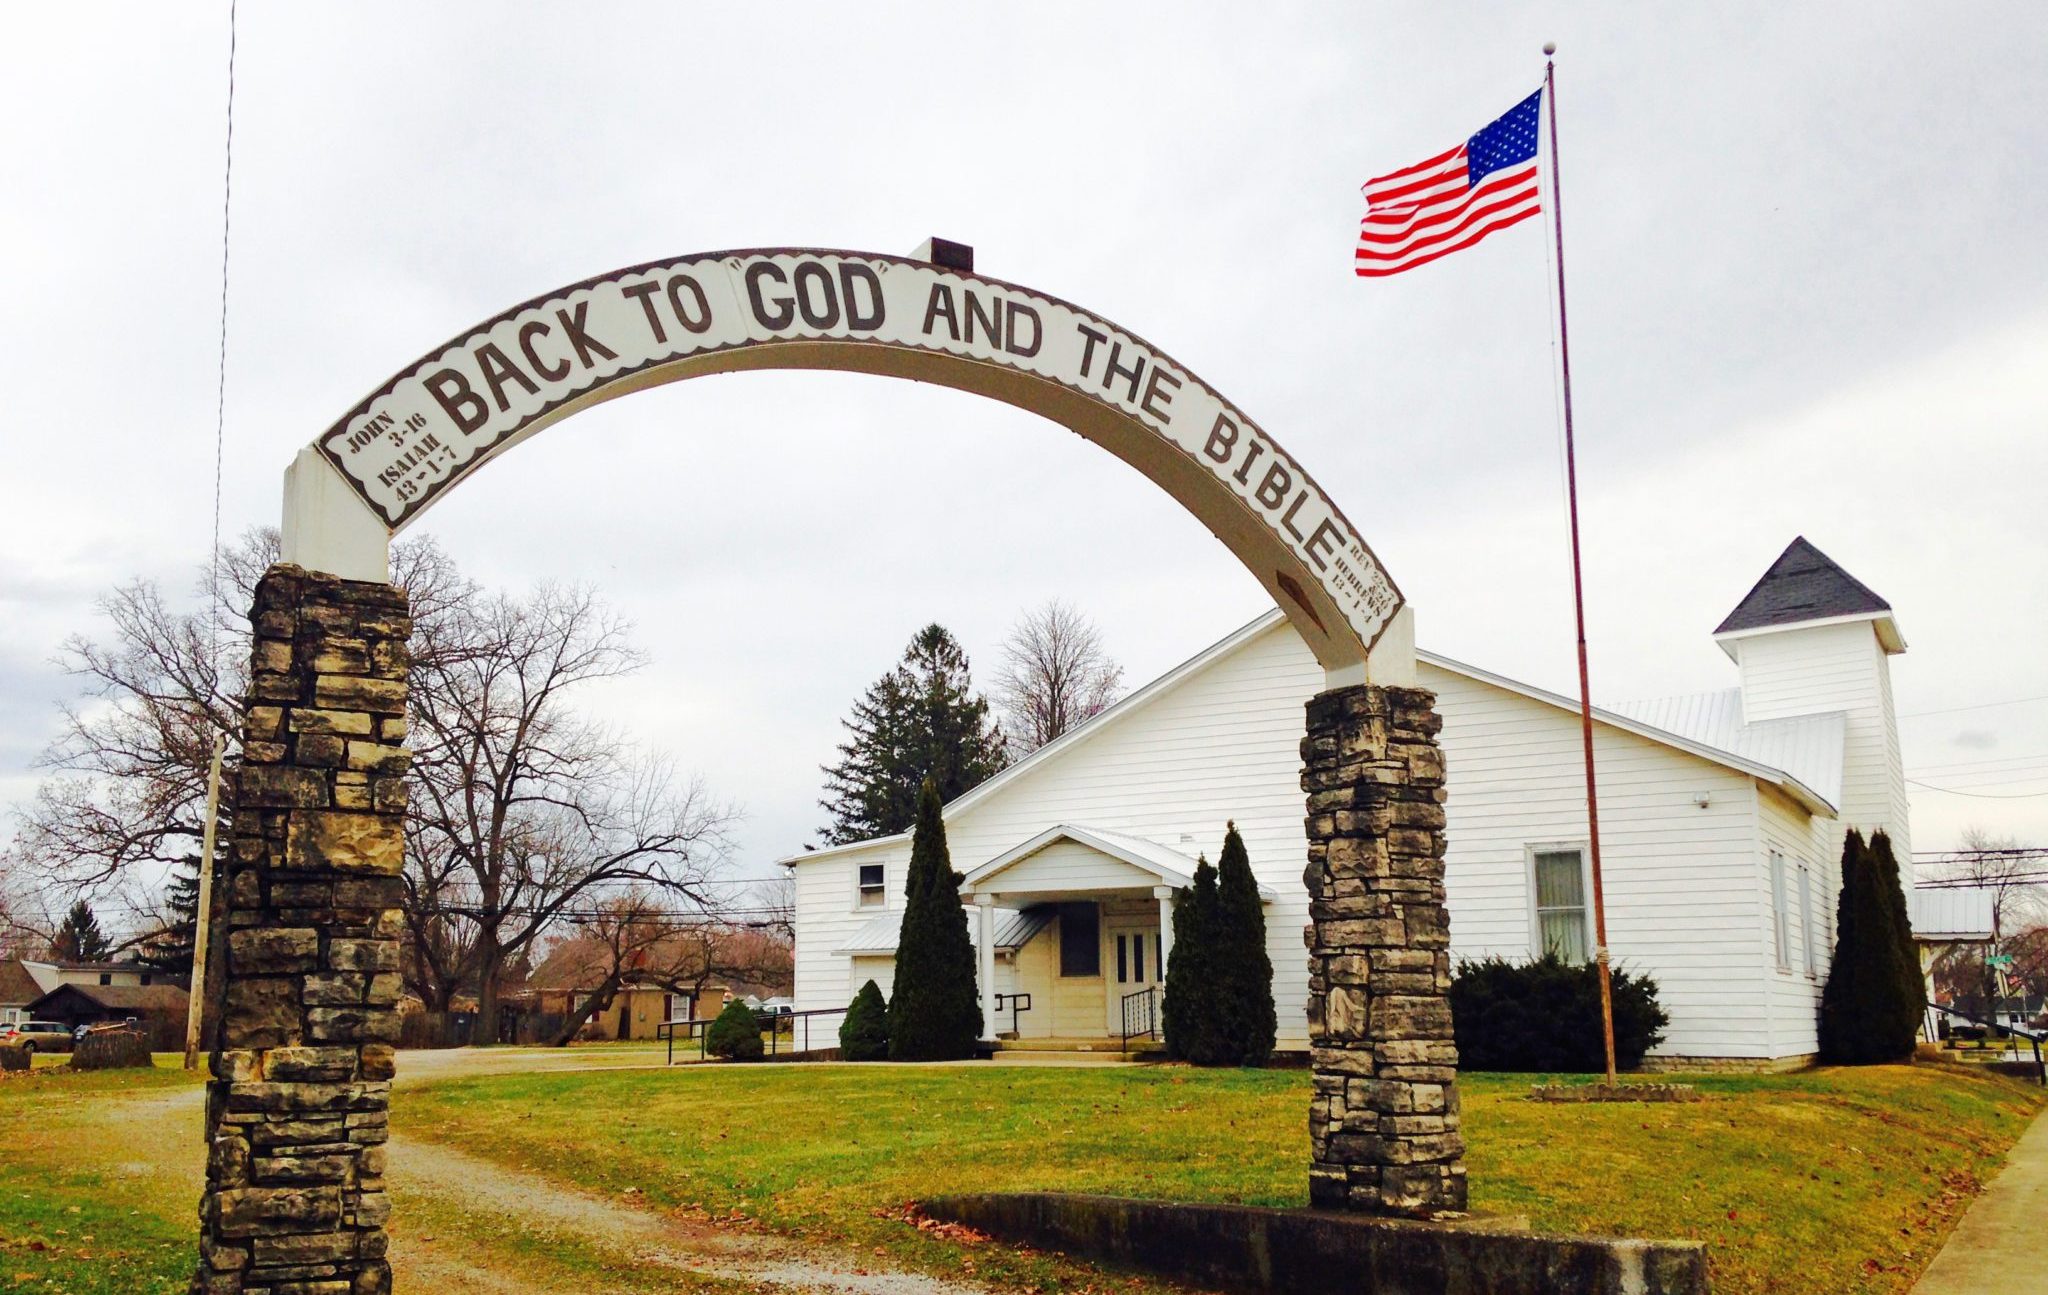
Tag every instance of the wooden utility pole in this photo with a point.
(202, 916)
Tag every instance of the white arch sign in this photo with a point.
(440, 419)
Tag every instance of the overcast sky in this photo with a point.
(1809, 293)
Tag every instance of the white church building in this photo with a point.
(1721, 818)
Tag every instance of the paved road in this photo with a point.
(2001, 1246)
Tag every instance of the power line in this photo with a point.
(1982, 705)
(1983, 796)
(1987, 778)
(220, 399)
(2028, 759)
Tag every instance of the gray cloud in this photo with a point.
(1805, 292)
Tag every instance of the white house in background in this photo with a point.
(1721, 820)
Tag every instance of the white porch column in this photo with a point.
(985, 949)
(1164, 894)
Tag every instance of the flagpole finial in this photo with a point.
(1549, 48)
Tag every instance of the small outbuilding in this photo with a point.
(160, 1010)
(1946, 918)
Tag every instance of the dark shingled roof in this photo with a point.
(1804, 584)
(17, 987)
(122, 998)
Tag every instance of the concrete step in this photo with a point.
(1114, 1047)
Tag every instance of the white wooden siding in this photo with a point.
(828, 913)
(1678, 878)
(1804, 670)
(1794, 996)
(1066, 866)
(1686, 888)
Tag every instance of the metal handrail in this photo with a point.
(1144, 1004)
(2040, 1068)
(1018, 1003)
(694, 1027)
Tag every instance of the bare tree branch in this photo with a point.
(1055, 675)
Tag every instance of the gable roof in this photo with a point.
(1802, 586)
(1014, 929)
(1194, 665)
(17, 986)
(1813, 800)
(1171, 867)
(1809, 747)
(167, 999)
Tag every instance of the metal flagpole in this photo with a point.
(1571, 477)
(195, 1011)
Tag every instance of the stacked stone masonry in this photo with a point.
(1383, 1120)
(306, 980)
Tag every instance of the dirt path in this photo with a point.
(480, 1188)
(449, 1206)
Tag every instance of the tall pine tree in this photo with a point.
(1885, 867)
(1245, 1019)
(80, 938)
(934, 1011)
(171, 949)
(1187, 1015)
(1870, 1007)
(921, 720)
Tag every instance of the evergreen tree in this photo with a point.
(734, 1033)
(1870, 1007)
(921, 720)
(864, 1034)
(171, 950)
(80, 938)
(1885, 866)
(1187, 1014)
(934, 1011)
(1243, 971)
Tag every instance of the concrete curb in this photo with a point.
(1316, 1252)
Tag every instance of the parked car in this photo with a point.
(39, 1036)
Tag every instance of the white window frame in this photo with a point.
(861, 890)
(1585, 853)
(1810, 952)
(1781, 917)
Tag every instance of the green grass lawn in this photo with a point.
(100, 1180)
(74, 1217)
(1826, 1181)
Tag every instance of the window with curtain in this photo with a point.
(1781, 925)
(873, 893)
(1561, 926)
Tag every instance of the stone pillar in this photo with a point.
(301, 1045)
(1383, 1121)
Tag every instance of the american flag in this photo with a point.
(1454, 199)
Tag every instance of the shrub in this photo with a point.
(934, 1011)
(1190, 968)
(1218, 1009)
(1246, 1023)
(735, 1034)
(1545, 1016)
(1870, 1008)
(864, 1034)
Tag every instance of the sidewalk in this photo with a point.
(2001, 1246)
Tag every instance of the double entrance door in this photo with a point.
(1134, 966)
